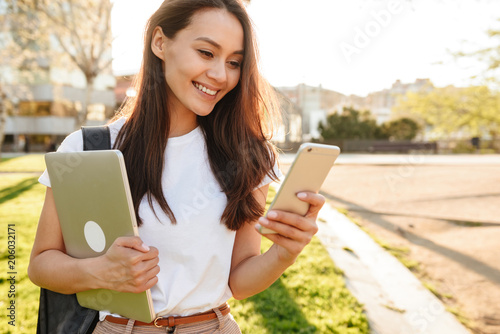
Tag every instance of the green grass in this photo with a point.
(310, 297)
(20, 204)
(435, 291)
(25, 163)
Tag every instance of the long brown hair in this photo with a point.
(236, 132)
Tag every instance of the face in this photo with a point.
(202, 63)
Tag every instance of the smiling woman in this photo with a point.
(195, 139)
(203, 64)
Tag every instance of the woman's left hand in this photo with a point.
(294, 232)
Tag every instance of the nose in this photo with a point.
(218, 72)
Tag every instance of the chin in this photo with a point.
(203, 111)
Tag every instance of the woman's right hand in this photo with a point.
(129, 266)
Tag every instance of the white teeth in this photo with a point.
(205, 89)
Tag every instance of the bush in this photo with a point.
(354, 124)
(351, 124)
(402, 129)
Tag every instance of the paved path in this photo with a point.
(395, 301)
(444, 209)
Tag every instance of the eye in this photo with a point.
(234, 64)
(206, 54)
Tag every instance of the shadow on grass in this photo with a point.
(9, 193)
(280, 312)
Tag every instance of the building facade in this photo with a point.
(316, 103)
(42, 100)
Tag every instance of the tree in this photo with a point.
(22, 47)
(351, 124)
(83, 31)
(27, 31)
(490, 56)
(474, 110)
(402, 129)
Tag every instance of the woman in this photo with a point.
(199, 166)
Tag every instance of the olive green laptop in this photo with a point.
(94, 206)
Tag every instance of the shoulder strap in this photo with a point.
(96, 138)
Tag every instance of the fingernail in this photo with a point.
(263, 221)
(272, 214)
(258, 227)
(302, 195)
(146, 247)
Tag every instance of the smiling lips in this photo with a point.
(205, 89)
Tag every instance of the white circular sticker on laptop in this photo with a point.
(94, 236)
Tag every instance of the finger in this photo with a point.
(263, 229)
(149, 264)
(148, 279)
(152, 254)
(283, 229)
(152, 282)
(132, 242)
(152, 272)
(277, 218)
(316, 202)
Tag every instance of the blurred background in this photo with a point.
(395, 71)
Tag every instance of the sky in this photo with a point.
(352, 47)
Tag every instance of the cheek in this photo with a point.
(233, 79)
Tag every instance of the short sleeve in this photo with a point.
(72, 143)
(267, 179)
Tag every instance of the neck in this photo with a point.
(182, 123)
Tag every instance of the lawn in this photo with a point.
(25, 163)
(310, 297)
(20, 204)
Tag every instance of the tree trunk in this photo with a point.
(81, 116)
(3, 118)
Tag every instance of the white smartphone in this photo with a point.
(307, 173)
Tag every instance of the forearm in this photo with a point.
(56, 271)
(257, 273)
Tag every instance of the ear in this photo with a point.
(158, 43)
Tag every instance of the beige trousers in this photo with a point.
(224, 324)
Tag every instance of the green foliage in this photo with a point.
(401, 129)
(489, 56)
(473, 109)
(351, 124)
(463, 147)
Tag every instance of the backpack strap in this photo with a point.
(96, 138)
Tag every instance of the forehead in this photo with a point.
(218, 25)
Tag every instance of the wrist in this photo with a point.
(283, 257)
(94, 271)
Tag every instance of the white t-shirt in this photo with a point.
(195, 254)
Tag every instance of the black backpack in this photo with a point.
(59, 313)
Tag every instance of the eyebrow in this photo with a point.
(217, 45)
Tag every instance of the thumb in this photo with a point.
(132, 242)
